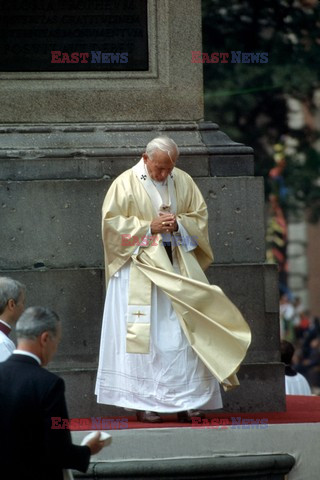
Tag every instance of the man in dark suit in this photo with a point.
(29, 397)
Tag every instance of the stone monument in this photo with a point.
(68, 129)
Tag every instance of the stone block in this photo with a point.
(51, 224)
(57, 224)
(262, 389)
(81, 400)
(231, 165)
(235, 208)
(271, 292)
(78, 298)
(245, 286)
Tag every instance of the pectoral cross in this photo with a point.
(140, 314)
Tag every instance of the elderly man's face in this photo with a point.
(19, 307)
(160, 166)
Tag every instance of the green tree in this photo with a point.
(250, 100)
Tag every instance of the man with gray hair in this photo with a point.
(168, 337)
(12, 304)
(31, 398)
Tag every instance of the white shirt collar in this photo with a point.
(7, 324)
(29, 354)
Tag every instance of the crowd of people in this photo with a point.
(302, 330)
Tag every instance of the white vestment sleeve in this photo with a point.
(183, 238)
(6, 348)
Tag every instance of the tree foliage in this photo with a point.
(250, 101)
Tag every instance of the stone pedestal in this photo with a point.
(65, 136)
(51, 203)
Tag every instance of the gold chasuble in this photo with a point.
(214, 327)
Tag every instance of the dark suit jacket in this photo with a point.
(29, 448)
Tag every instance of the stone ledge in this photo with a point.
(95, 147)
(108, 127)
(262, 467)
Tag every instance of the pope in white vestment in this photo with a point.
(168, 337)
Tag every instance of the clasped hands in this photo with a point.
(165, 223)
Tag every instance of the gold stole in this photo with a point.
(140, 286)
(139, 312)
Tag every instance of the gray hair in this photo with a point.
(9, 288)
(165, 144)
(36, 320)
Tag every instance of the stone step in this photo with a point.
(179, 453)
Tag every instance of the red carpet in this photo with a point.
(300, 409)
